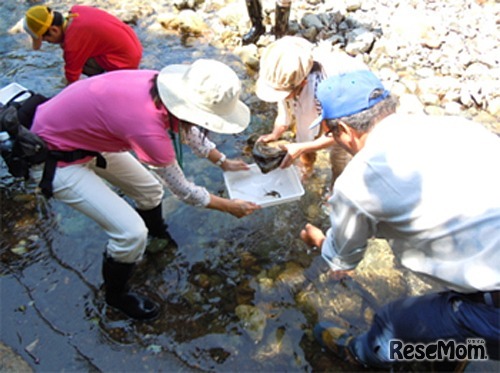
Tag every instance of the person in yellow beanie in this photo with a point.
(93, 41)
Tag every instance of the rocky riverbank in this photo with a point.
(439, 57)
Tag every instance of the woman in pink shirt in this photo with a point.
(140, 111)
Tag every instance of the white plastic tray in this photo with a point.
(276, 187)
(9, 91)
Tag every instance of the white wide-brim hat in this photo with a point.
(205, 93)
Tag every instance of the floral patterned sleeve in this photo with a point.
(173, 178)
(198, 142)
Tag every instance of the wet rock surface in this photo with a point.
(236, 295)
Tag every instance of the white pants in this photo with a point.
(82, 187)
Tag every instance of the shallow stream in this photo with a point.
(236, 294)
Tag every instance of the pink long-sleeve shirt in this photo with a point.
(108, 113)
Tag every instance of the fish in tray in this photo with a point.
(273, 193)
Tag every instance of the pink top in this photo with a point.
(112, 112)
(97, 34)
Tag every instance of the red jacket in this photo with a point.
(94, 33)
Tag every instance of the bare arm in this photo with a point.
(296, 149)
(314, 237)
(234, 207)
(281, 123)
(219, 159)
(173, 178)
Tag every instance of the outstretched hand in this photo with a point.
(293, 151)
(234, 165)
(267, 138)
(312, 235)
(240, 208)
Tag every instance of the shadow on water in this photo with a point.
(236, 294)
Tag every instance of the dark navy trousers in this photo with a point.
(427, 319)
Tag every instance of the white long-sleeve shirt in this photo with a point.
(431, 186)
(173, 177)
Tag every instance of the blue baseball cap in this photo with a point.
(347, 94)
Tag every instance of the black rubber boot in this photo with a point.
(254, 8)
(116, 276)
(154, 222)
(282, 15)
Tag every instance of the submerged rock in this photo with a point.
(253, 320)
